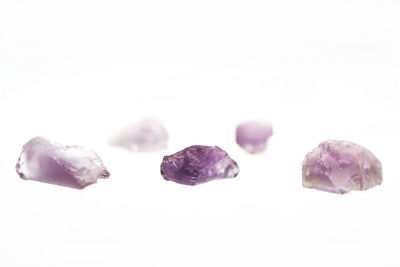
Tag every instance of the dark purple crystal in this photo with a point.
(198, 164)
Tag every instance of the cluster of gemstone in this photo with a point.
(334, 166)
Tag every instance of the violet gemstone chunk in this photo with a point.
(341, 166)
(253, 136)
(71, 166)
(146, 135)
(198, 164)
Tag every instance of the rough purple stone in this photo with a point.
(49, 162)
(341, 166)
(253, 136)
(146, 135)
(198, 164)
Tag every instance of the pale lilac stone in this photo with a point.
(341, 166)
(49, 162)
(198, 164)
(146, 135)
(253, 136)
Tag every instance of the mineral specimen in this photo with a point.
(341, 166)
(253, 136)
(146, 135)
(49, 162)
(198, 164)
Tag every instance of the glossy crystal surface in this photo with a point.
(49, 162)
(198, 164)
(341, 166)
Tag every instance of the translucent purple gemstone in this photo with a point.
(198, 164)
(341, 166)
(253, 136)
(146, 135)
(49, 162)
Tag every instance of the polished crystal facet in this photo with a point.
(253, 136)
(146, 135)
(72, 166)
(341, 166)
(198, 164)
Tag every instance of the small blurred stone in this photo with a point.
(146, 135)
(198, 164)
(49, 162)
(341, 166)
(253, 136)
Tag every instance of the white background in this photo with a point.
(77, 71)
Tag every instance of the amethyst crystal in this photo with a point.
(198, 164)
(146, 135)
(341, 166)
(48, 162)
(253, 136)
